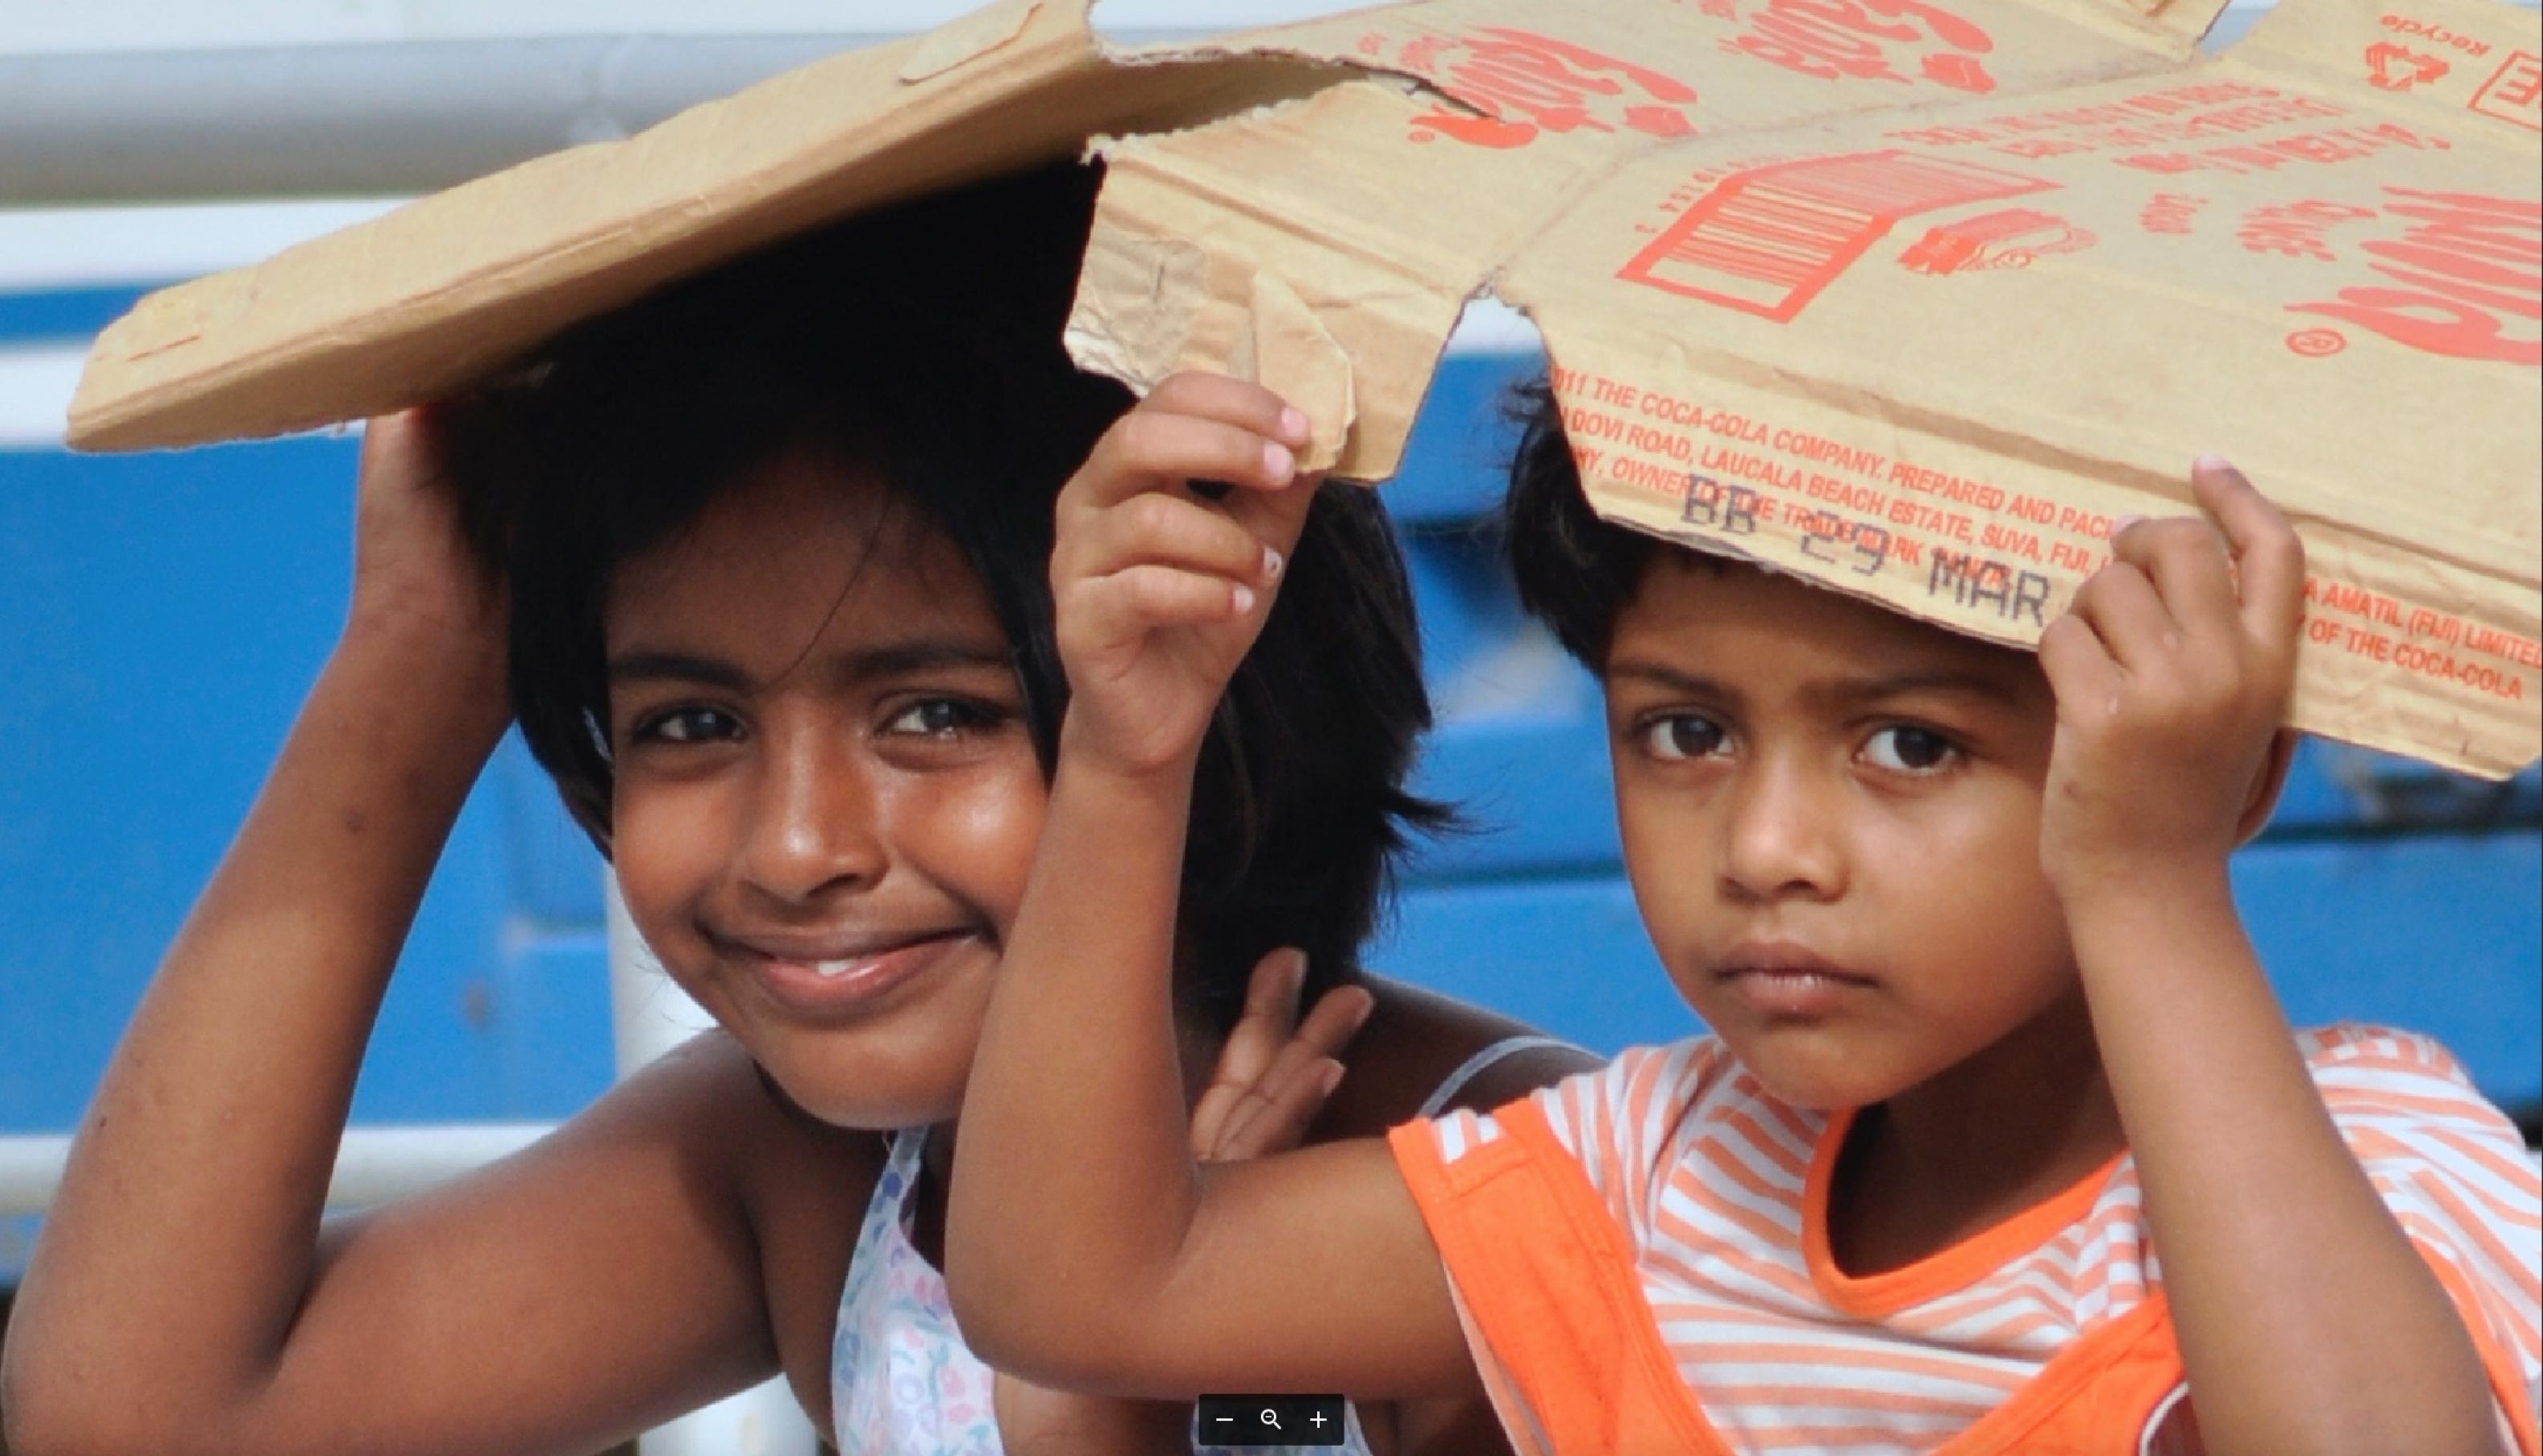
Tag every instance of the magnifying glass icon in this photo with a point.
(1271, 1418)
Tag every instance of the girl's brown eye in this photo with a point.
(937, 718)
(686, 726)
(1682, 735)
(1908, 749)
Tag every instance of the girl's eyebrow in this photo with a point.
(1855, 691)
(924, 654)
(1840, 692)
(1669, 678)
(676, 667)
(891, 659)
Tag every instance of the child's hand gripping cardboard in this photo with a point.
(420, 588)
(2172, 674)
(1160, 579)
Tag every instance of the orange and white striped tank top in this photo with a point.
(1640, 1257)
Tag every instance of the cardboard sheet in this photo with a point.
(1913, 297)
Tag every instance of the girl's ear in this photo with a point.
(2267, 785)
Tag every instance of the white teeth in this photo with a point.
(835, 967)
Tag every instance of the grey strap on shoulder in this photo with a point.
(1480, 1063)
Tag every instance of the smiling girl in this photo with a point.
(772, 609)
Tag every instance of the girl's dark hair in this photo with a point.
(1575, 571)
(922, 344)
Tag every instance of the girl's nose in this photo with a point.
(1781, 835)
(812, 828)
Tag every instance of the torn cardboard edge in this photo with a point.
(2161, 34)
(2425, 621)
(965, 39)
(154, 383)
(1235, 234)
(407, 306)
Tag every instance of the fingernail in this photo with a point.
(1244, 600)
(1279, 462)
(1332, 1077)
(2122, 523)
(1366, 1008)
(1293, 426)
(2211, 462)
(1273, 562)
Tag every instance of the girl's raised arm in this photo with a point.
(1085, 1247)
(182, 1296)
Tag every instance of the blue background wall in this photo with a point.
(161, 615)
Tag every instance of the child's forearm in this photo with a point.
(184, 1233)
(1075, 1109)
(2307, 1320)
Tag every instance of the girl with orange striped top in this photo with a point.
(1999, 1141)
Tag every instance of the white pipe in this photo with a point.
(374, 1164)
(376, 117)
(95, 26)
(649, 1014)
(393, 118)
(36, 386)
(348, 120)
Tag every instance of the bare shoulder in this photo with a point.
(801, 1186)
(796, 1185)
(729, 1100)
(708, 1098)
(647, 1257)
(1414, 1040)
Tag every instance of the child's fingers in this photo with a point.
(1275, 518)
(2185, 559)
(2269, 555)
(2122, 607)
(1232, 401)
(1270, 1015)
(1136, 600)
(1329, 1025)
(1152, 448)
(1291, 1080)
(1322, 1033)
(1158, 529)
(2079, 668)
(2193, 580)
(1276, 1115)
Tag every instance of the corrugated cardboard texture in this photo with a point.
(1913, 297)
(442, 291)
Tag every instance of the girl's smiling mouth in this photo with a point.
(839, 977)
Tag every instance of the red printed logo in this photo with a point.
(2436, 35)
(1525, 84)
(2392, 67)
(1767, 240)
(2170, 213)
(2464, 279)
(1867, 39)
(2013, 238)
(2297, 229)
(2514, 92)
